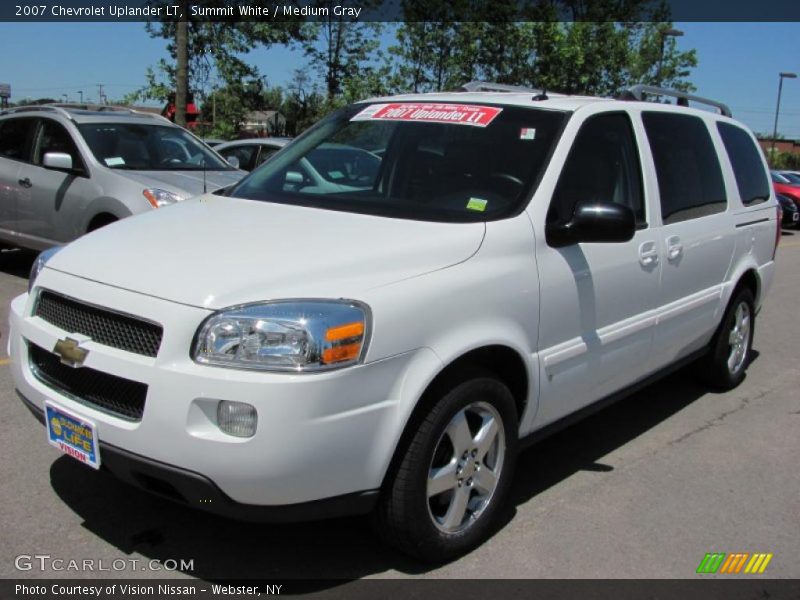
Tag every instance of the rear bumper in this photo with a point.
(197, 491)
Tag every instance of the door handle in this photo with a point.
(674, 248)
(648, 254)
(26, 183)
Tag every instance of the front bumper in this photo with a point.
(198, 491)
(319, 436)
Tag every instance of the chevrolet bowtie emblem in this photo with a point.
(70, 352)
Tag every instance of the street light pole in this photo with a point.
(80, 93)
(781, 76)
(663, 35)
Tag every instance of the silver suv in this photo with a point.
(67, 171)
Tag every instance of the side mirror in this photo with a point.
(234, 161)
(603, 222)
(59, 161)
(294, 177)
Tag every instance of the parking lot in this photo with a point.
(643, 489)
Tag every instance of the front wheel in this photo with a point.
(730, 351)
(446, 494)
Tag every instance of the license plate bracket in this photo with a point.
(75, 436)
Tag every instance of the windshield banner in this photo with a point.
(462, 114)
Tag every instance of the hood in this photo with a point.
(185, 183)
(216, 251)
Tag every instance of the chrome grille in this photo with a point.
(103, 326)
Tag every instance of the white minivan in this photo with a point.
(385, 337)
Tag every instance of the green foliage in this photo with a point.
(607, 46)
(784, 161)
(341, 51)
(223, 82)
(592, 55)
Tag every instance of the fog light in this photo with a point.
(237, 418)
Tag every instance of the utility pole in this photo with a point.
(80, 93)
(101, 94)
(663, 35)
(781, 77)
(181, 75)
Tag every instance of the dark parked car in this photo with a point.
(791, 214)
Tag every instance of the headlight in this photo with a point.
(291, 335)
(39, 264)
(160, 198)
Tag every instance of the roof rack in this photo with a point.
(37, 108)
(63, 109)
(490, 86)
(638, 92)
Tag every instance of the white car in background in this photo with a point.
(486, 265)
(251, 152)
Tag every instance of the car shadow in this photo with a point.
(17, 262)
(335, 551)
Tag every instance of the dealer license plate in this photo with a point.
(73, 435)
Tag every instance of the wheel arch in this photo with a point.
(498, 360)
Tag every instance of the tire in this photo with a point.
(100, 221)
(472, 478)
(730, 351)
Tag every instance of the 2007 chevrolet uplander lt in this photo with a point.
(470, 269)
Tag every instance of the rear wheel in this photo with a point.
(730, 352)
(445, 496)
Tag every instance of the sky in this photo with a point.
(738, 63)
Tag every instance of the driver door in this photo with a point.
(597, 299)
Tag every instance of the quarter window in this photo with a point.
(14, 135)
(747, 164)
(603, 166)
(690, 180)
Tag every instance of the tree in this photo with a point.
(341, 50)
(217, 51)
(594, 54)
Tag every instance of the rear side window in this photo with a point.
(14, 134)
(689, 176)
(746, 162)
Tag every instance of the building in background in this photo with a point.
(265, 123)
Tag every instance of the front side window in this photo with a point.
(689, 176)
(52, 137)
(264, 154)
(14, 136)
(440, 162)
(145, 147)
(603, 166)
(746, 162)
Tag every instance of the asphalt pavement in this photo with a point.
(643, 489)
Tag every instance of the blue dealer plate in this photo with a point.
(73, 435)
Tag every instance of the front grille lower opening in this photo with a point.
(115, 395)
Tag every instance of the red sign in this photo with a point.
(461, 114)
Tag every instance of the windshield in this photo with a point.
(139, 147)
(438, 162)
